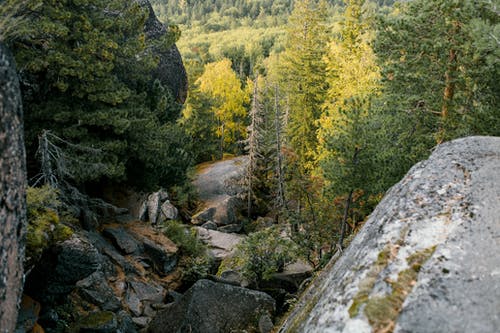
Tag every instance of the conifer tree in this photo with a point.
(304, 76)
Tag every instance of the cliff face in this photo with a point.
(170, 70)
(12, 192)
(427, 258)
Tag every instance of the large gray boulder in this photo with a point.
(219, 186)
(220, 244)
(426, 260)
(210, 307)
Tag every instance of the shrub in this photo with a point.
(264, 253)
(44, 222)
(196, 262)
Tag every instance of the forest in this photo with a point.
(333, 101)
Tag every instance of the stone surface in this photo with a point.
(425, 261)
(95, 289)
(219, 188)
(168, 211)
(99, 322)
(122, 239)
(220, 244)
(161, 250)
(291, 278)
(231, 228)
(209, 225)
(170, 70)
(153, 205)
(12, 191)
(265, 324)
(29, 312)
(66, 264)
(210, 307)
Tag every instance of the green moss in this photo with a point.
(97, 319)
(366, 285)
(44, 223)
(382, 311)
(304, 314)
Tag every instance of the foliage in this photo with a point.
(304, 76)
(184, 238)
(45, 227)
(227, 99)
(196, 262)
(86, 77)
(263, 253)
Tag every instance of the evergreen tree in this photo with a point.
(86, 66)
(436, 59)
(304, 77)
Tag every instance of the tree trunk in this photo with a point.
(12, 193)
(344, 220)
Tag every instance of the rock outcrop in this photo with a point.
(210, 307)
(114, 282)
(12, 192)
(219, 188)
(170, 71)
(426, 260)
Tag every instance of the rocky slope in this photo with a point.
(426, 260)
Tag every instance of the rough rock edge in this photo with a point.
(12, 192)
(432, 204)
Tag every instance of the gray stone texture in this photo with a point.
(449, 204)
(210, 307)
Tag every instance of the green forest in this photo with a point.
(332, 101)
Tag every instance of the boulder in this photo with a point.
(122, 239)
(425, 259)
(154, 204)
(209, 225)
(66, 264)
(109, 251)
(220, 244)
(168, 211)
(161, 250)
(231, 228)
(157, 208)
(210, 307)
(95, 290)
(291, 278)
(220, 190)
(170, 70)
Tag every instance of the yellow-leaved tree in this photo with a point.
(228, 101)
(353, 79)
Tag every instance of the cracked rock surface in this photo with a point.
(426, 260)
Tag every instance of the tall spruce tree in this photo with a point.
(304, 77)
(436, 57)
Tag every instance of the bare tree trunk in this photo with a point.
(344, 219)
(279, 156)
(12, 193)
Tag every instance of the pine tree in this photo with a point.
(437, 65)
(304, 77)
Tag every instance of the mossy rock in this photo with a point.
(99, 322)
